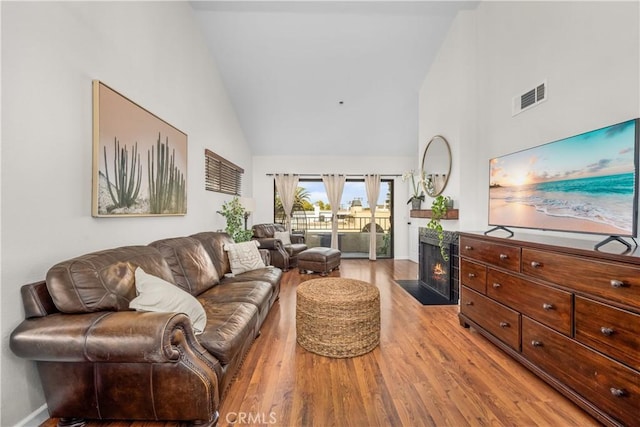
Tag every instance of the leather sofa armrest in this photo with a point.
(265, 255)
(270, 243)
(122, 336)
(297, 238)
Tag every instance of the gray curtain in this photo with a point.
(372, 183)
(286, 186)
(334, 184)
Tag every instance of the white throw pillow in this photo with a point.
(156, 294)
(244, 256)
(283, 236)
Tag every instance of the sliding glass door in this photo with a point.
(312, 217)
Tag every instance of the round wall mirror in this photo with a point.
(436, 166)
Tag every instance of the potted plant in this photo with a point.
(234, 213)
(439, 208)
(417, 196)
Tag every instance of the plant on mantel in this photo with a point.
(439, 209)
(417, 195)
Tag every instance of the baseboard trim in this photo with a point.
(35, 418)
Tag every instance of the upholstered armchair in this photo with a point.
(282, 246)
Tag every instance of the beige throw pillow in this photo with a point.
(244, 256)
(283, 236)
(156, 294)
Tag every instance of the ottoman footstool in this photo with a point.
(337, 317)
(320, 259)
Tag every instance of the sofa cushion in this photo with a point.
(213, 243)
(155, 294)
(283, 236)
(269, 274)
(255, 292)
(244, 256)
(103, 280)
(190, 263)
(229, 326)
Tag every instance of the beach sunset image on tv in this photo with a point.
(585, 183)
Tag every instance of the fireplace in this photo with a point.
(437, 274)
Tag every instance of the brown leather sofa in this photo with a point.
(284, 256)
(98, 359)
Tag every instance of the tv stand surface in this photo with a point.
(567, 312)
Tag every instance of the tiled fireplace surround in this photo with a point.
(434, 273)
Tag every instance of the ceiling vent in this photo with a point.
(529, 99)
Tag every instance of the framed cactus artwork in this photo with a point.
(139, 160)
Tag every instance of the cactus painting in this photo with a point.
(167, 190)
(123, 184)
(126, 185)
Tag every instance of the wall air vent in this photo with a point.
(529, 99)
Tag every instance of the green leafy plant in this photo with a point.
(439, 209)
(234, 214)
(128, 175)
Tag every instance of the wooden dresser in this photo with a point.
(565, 311)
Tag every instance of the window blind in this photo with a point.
(221, 175)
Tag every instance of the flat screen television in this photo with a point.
(586, 183)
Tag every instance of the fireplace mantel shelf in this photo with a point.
(427, 213)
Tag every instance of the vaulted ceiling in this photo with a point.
(326, 77)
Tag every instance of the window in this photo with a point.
(220, 175)
(312, 217)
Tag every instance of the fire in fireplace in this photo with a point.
(439, 273)
(435, 273)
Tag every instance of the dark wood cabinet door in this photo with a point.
(550, 306)
(612, 386)
(473, 275)
(500, 321)
(503, 256)
(610, 330)
(610, 280)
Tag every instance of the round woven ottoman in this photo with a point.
(337, 317)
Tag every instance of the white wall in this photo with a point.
(151, 52)
(263, 184)
(589, 53)
(447, 109)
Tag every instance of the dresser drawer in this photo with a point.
(612, 386)
(504, 256)
(610, 280)
(500, 321)
(547, 305)
(473, 275)
(610, 330)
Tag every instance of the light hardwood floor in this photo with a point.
(427, 371)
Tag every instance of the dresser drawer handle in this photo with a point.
(606, 331)
(536, 343)
(468, 303)
(535, 264)
(504, 325)
(617, 392)
(504, 256)
(547, 306)
(468, 248)
(616, 283)
(496, 285)
(471, 275)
